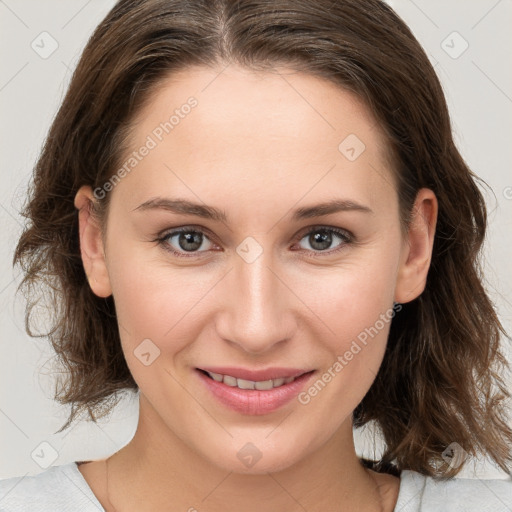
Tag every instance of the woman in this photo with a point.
(254, 214)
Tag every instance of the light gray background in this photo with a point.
(478, 85)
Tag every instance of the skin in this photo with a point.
(258, 145)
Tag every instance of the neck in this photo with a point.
(157, 471)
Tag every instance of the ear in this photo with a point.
(417, 248)
(91, 244)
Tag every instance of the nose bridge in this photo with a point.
(258, 314)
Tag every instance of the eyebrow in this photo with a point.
(186, 207)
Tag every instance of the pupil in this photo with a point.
(321, 238)
(190, 241)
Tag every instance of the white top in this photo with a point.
(64, 489)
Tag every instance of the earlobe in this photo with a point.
(417, 249)
(91, 244)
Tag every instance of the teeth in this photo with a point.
(230, 381)
(245, 384)
(264, 385)
(216, 376)
(278, 382)
(250, 384)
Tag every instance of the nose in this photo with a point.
(258, 310)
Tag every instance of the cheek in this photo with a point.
(359, 316)
(154, 300)
(352, 296)
(355, 308)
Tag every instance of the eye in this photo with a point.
(321, 238)
(194, 240)
(185, 240)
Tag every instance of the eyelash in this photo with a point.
(346, 237)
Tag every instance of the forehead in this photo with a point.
(262, 131)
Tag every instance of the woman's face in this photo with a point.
(262, 279)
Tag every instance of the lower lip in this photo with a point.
(253, 401)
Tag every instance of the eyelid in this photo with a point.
(185, 228)
(319, 227)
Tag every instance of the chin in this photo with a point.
(258, 457)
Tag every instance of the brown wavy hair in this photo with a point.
(441, 380)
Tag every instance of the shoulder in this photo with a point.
(420, 493)
(56, 489)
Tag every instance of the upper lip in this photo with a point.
(256, 375)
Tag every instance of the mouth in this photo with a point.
(254, 392)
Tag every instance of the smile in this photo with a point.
(261, 385)
(254, 392)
